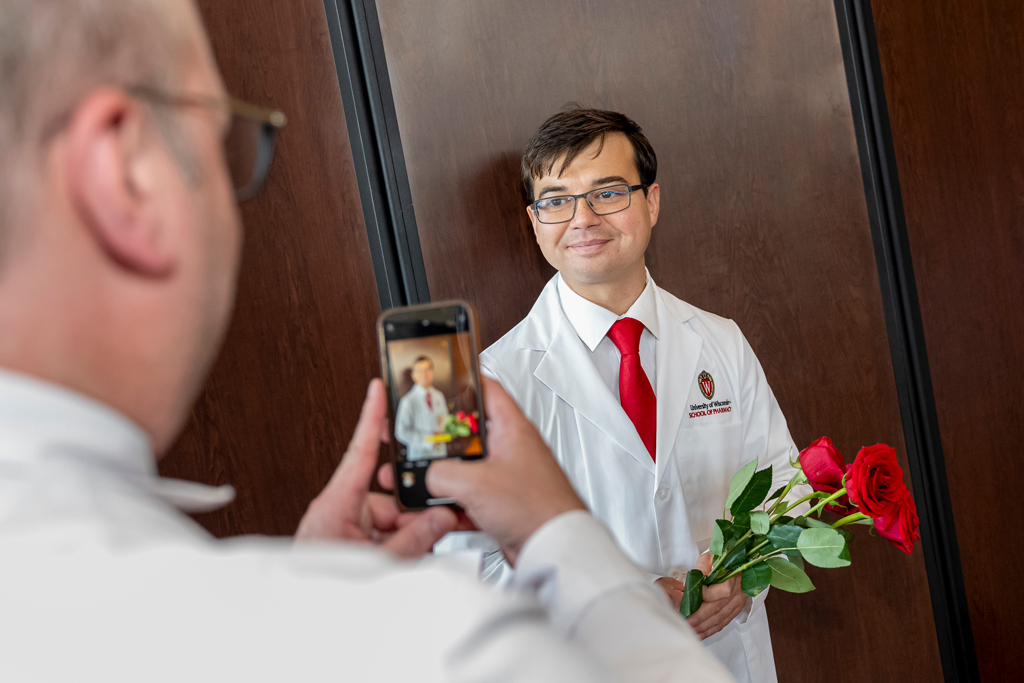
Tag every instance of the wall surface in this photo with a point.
(763, 221)
(953, 73)
(283, 397)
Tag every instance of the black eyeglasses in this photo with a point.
(602, 201)
(249, 144)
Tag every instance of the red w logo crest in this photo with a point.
(707, 384)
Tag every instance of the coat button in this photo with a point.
(662, 493)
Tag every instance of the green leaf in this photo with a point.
(736, 556)
(693, 593)
(778, 492)
(784, 536)
(794, 557)
(816, 523)
(786, 576)
(822, 547)
(759, 522)
(845, 555)
(719, 534)
(741, 523)
(740, 481)
(754, 493)
(756, 578)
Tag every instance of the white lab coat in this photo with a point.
(661, 513)
(415, 420)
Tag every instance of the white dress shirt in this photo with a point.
(103, 579)
(592, 323)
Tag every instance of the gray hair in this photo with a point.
(54, 52)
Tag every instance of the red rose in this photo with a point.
(875, 481)
(900, 526)
(823, 466)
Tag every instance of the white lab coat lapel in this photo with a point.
(677, 355)
(567, 370)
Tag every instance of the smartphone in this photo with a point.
(428, 356)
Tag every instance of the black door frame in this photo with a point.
(377, 152)
(401, 276)
(906, 340)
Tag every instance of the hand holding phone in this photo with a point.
(518, 488)
(347, 510)
(430, 369)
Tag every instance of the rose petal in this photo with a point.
(875, 481)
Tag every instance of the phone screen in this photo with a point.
(432, 377)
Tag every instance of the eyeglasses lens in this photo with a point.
(602, 202)
(241, 147)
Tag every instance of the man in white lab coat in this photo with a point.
(121, 242)
(421, 413)
(649, 404)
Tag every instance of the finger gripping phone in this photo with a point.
(429, 364)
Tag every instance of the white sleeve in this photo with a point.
(253, 610)
(602, 602)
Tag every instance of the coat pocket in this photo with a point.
(706, 458)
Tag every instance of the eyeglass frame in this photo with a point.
(270, 121)
(576, 201)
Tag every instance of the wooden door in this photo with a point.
(953, 72)
(763, 220)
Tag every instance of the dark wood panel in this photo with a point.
(953, 71)
(284, 394)
(763, 220)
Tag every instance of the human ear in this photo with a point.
(533, 222)
(654, 201)
(109, 184)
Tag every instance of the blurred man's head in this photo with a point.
(423, 372)
(119, 233)
(600, 239)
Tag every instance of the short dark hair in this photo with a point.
(421, 359)
(569, 132)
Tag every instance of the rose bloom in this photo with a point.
(823, 465)
(875, 481)
(900, 526)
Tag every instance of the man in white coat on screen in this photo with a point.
(650, 404)
(422, 413)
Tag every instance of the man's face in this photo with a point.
(423, 373)
(591, 249)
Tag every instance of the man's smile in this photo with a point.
(591, 246)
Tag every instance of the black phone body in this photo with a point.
(435, 400)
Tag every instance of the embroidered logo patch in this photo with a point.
(707, 384)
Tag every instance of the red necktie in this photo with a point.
(430, 404)
(635, 392)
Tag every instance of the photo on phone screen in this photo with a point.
(429, 360)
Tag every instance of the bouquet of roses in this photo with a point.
(768, 547)
(462, 424)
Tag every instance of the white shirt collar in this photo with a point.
(592, 322)
(39, 419)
